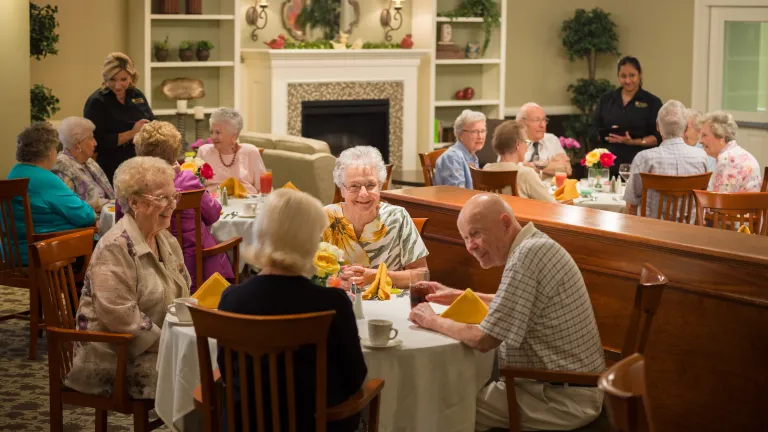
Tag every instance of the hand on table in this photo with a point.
(618, 139)
(423, 315)
(439, 293)
(358, 274)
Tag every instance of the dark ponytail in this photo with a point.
(629, 60)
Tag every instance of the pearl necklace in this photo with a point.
(237, 148)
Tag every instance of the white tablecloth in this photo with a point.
(608, 201)
(431, 381)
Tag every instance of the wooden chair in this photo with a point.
(675, 193)
(626, 396)
(53, 260)
(420, 223)
(257, 336)
(190, 200)
(494, 181)
(428, 163)
(731, 210)
(764, 188)
(337, 198)
(647, 299)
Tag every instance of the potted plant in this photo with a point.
(42, 42)
(204, 48)
(186, 53)
(161, 50)
(487, 9)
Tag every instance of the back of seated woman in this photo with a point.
(288, 232)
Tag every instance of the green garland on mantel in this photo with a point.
(488, 10)
(326, 44)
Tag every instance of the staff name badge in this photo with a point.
(137, 100)
(641, 104)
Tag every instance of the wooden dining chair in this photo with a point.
(764, 188)
(729, 211)
(420, 224)
(626, 395)
(53, 259)
(494, 181)
(337, 198)
(190, 200)
(676, 201)
(271, 336)
(428, 164)
(647, 298)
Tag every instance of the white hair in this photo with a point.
(140, 175)
(73, 130)
(360, 156)
(466, 117)
(722, 124)
(525, 108)
(694, 116)
(672, 119)
(229, 116)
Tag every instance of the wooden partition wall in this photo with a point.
(707, 356)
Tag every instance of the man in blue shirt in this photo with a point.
(452, 168)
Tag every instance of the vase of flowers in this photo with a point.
(570, 146)
(327, 262)
(599, 161)
(202, 170)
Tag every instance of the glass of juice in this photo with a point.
(418, 294)
(265, 181)
(560, 177)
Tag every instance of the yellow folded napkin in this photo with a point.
(467, 309)
(567, 191)
(290, 185)
(744, 229)
(209, 294)
(235, 189)
(381, 286)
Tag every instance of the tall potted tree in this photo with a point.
(42, 42)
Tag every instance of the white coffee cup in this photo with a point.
(380, 332)
(250, 209)
(180, 310)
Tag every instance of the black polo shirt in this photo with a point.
(112, 118)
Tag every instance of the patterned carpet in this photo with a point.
(24, 383)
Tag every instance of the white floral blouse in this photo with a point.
(736, 171)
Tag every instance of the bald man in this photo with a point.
(540, 317)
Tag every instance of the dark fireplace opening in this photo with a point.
(348, 123)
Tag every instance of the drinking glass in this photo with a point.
(624, 170)
(418, 294)
(265, 181)
(560, 177)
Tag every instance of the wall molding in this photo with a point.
(551, 110)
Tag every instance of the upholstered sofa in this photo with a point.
(307, 163)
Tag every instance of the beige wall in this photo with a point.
(658, 32)
(15, 84)
(88, 31)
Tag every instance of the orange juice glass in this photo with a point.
(265, 181)
(560, 178)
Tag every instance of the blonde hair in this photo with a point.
(138, 176)
(507, 135)
(117, 62)
(722, 124)
(288, 232)
(159, 139)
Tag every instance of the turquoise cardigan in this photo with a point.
(54, 206)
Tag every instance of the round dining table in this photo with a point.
(430, 380)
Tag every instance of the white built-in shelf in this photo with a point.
(173, 112)
(460, 20)
(465, 103)
(181, 64)
(184, 17)
(467, 61)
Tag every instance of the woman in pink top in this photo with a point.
(736, 170)
(227, 157)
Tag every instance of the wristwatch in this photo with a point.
(642, 141)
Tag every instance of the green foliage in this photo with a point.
(185, 45)
(586, 93)
(589, 34)
(489, 10)
(44, 103)
(162, 45)
(42, 30)
(323, 14)
(316, 44)
(204, 45)
(381, 45)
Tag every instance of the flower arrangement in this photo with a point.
(599, 158)
(199, 143)
(200, 168)
(570, 145)
(327, 262)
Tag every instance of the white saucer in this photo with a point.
(391, 344)
(247, 216)
(173, 319)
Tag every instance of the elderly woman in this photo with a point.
(75, 167)
(161, 139)
(368, 231)
(692, 132)
(227, 157)
(54, 206)
(284, 228)
(736, 170)
(452, 166)
(136, 271)
(510, 144)
(119, 110)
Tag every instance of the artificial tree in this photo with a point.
(42, 42)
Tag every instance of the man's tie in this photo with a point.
(535, 154)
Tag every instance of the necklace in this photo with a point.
(237, 148)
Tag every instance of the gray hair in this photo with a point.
(466, 117)
(696, 116)
(360, 156)
(722, 123)
(35, 142)
(525, 108)
(672, 119)
(140, 175)
(73, 130)
(229, 116)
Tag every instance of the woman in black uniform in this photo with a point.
(632, 111)
(119, 110)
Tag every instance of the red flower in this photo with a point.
(606, 160)
(583, 161)
(206, 171)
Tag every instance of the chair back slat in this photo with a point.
(428, 164)
(494, 181)
(647, 299)
(420, 224)
(262, 338)
(191, 200)
(11, 268)
(730, 211)
(675, 195)
(764, 188)
(626, 396)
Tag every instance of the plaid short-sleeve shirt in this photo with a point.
(541, 311)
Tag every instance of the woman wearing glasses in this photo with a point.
(368, 231)
(136, 271)
(452, 167)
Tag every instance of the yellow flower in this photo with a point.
(592, 158)
(189, 166)
(325, 264)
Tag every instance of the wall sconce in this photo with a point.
(386, 18)
(252, 18)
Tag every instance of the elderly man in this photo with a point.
(673, 158)
(545, 154)
(540, 316)
(452, 168)
(692, 133)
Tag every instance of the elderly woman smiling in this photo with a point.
(227, 157)
(136, 271)
(368, 231)
(75, 167)
(736, 170)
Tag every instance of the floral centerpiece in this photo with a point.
(200, 168)
(598, 161)
(570, 146)
(327, 262)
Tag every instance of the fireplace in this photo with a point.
(347, 123)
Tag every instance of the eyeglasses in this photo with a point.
(476, 132)
(165, 200)
(538, 120)
(356, 188)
